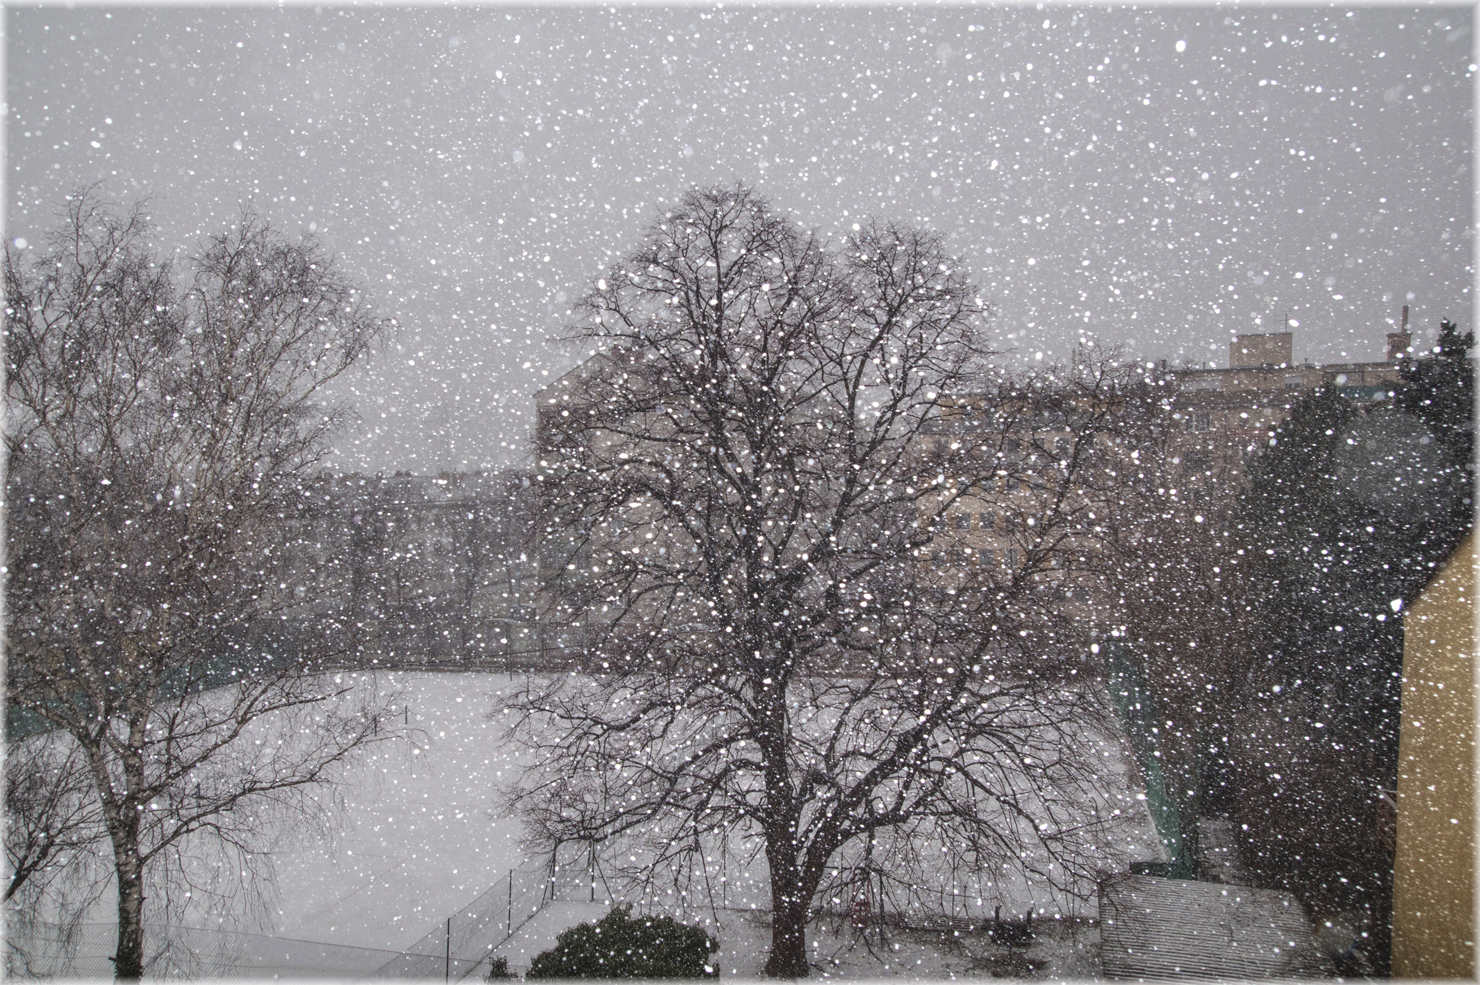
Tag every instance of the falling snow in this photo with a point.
(1204, 536)
(1156, 178)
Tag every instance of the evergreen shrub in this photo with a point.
(620, 945)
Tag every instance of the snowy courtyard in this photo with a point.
(920, 491)
(415, 838)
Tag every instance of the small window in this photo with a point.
(963, 521)
(989, 521)
(987, 557)
(1012, 557)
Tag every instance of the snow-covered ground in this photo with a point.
(417, 838)
(1061, 949)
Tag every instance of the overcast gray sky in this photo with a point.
(1158, 178)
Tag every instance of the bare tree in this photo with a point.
(752, 491)
(157, 438)
(55, 850)
(49, 810)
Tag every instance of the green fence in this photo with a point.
(1138, 714)
(240, 656)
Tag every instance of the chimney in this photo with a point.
(1400, 343)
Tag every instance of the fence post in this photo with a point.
(510, 931)
(447, 958)
(882, 942)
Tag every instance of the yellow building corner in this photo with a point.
(1434, 916)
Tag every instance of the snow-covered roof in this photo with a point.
(1154, 928)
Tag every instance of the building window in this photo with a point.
(963, 521)
(989, 521)
(986, 557)
(1204, 422)
(1012, 557)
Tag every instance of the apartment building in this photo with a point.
(420, 567)
(1225, 415)
(1212, 421)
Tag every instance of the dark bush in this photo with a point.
(620, 945)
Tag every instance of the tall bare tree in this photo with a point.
(751, 495)
(157, 436)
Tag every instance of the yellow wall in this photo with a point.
(1433, 878)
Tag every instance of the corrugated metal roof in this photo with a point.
(1153, 928)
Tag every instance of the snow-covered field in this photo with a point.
(416, 838)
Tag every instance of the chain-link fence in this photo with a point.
(467, 938)
(86, 951)
(459, 946)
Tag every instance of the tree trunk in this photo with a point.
(125, 818)
(128, 961)
(789, 904)
(788, 957)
